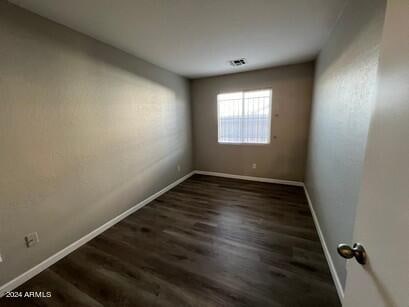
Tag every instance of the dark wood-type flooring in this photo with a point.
(208, 242)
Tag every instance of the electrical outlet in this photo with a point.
(178, 168)
(31, 239)
(254, 165)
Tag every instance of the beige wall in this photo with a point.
(284, 157)
(345, 88)
(86, 132)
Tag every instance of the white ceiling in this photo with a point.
(197, 38)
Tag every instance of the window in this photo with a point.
(244, 117)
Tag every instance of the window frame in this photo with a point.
(269, 116)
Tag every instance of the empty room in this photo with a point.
(204, 153)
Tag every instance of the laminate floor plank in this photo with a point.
(209, 241)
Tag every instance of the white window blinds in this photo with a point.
(244, 117)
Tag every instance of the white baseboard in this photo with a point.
(331, 266)
(261, 179)
(19, 280)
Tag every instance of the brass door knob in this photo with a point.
(357, 251)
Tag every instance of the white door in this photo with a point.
(382, 219)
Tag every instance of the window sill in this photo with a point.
(245, 144)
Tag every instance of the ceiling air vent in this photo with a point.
(238, 62)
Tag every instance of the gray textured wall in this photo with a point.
(345, 88)
(86, 132)
(284, 157)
